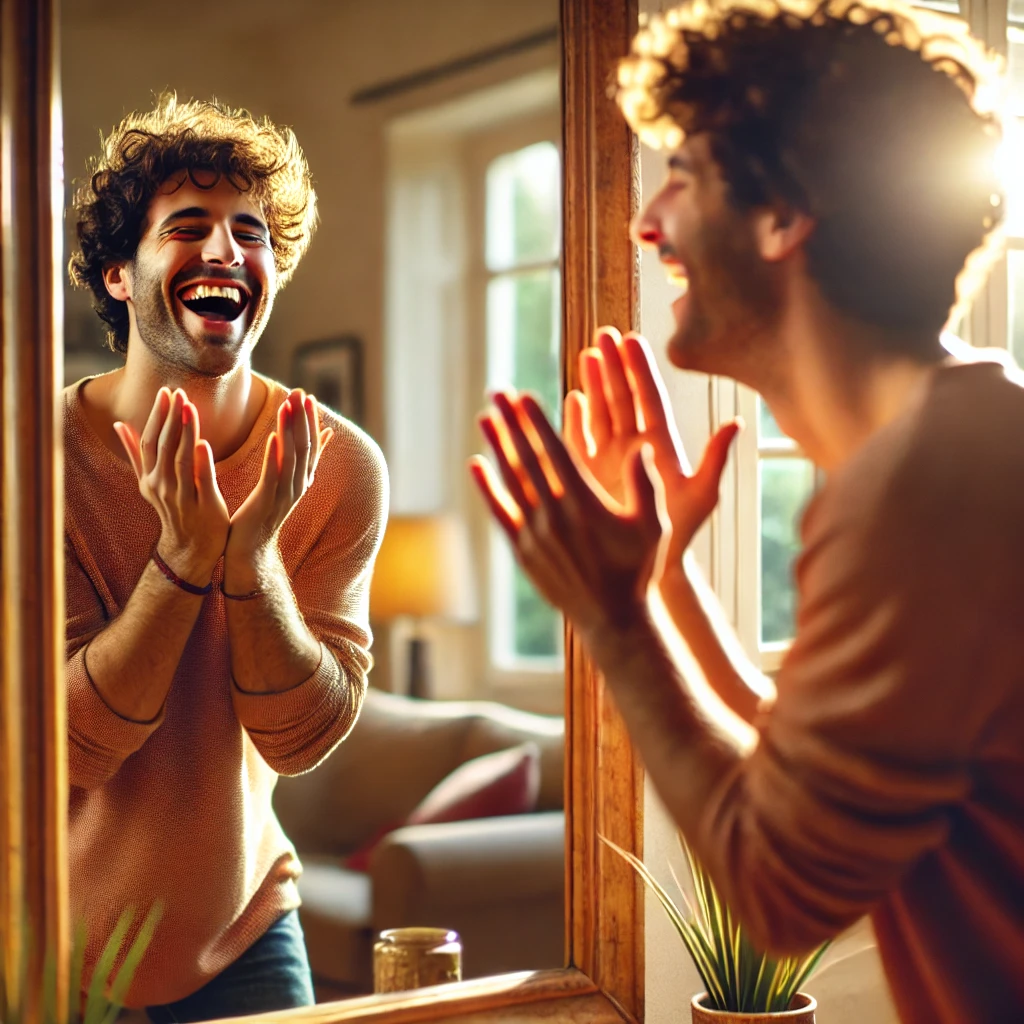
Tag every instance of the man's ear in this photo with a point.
(117, 278)
(780, 231)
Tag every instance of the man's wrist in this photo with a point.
(187, 565)
(615, 640)
(246, 571)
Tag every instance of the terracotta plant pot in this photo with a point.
(801, 1011)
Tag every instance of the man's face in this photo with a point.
(732, 297)
(203, 280)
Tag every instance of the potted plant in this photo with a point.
(101, 1004)
(741, 986)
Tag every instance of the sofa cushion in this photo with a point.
(495, 785)
(399, 749)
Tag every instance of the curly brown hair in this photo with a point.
(877, 120)
(146, 149)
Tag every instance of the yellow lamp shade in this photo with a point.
(424, 570)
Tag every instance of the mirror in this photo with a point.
(433, 135)
(604, 953)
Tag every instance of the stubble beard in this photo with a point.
(169, 341)
(733, 306)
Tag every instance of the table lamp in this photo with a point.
(423, 571)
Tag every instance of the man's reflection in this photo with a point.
(220, 532)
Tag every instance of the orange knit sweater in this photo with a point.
(179, 809)
(889, 777)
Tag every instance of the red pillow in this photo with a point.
(505, 782)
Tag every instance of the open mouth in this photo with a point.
(214, 301)
(677, 276)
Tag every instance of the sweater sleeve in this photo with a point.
(864, 759)
(99, 739)
(294, 730)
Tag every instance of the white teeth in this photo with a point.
(680, 281)
(211, 291)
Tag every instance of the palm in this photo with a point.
(622, 406)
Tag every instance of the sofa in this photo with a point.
(498, 880)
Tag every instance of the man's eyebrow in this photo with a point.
(198, 212)
(248, 218)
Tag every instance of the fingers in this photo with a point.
(496, 497)
(528, 455)
(167, 443)
(620, 394)
(574, 418)
(592, 379)
(151, 432)
(302, 439)
(564, 468)
(184, 459)
(286, 442)
(509, 472)
(205, 473)
(651, 394)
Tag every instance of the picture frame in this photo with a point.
(332, 370)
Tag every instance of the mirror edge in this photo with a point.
(604, 980)
(33, 728)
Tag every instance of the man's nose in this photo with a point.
(645, 229)
(222, 248)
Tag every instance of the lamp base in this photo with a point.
(419, 669)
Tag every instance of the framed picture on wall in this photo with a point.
(332, 370)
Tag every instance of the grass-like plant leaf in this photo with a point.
(735, 975)
(101, 1006)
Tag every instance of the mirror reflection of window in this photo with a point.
(523, 339)
(476, 183)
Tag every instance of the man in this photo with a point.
(220, 536)
(831, 169)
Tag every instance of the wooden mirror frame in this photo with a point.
(604, 783)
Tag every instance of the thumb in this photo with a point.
(130, 443)
(205, 472)
(716, 455)
(645, 492)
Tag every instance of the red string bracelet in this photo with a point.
(189, 588)
(240, 597)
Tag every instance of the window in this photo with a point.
(774, 483)
(473, 304)
(521, 249)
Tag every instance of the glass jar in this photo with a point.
(407, 958)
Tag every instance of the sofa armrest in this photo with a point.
(424, 873)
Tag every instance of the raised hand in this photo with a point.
(623, 405)
(174, 467)
(289, 465)
(591, 561)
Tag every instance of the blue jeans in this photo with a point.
(272, 974)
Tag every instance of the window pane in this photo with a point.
(785, 485)
(1015, 272)
(767, 428)
(524, 335)
(523, 207)
(523, 341)
(538, 627)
